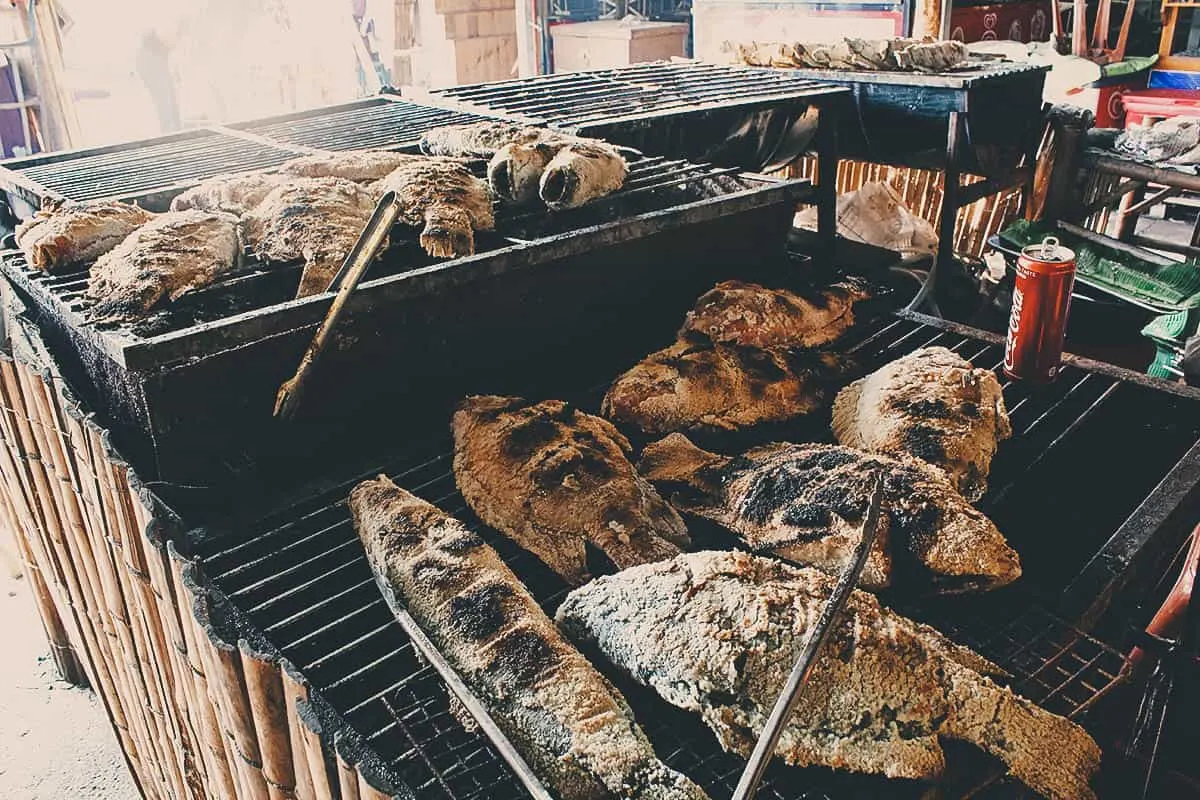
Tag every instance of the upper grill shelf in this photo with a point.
(580, 100)
(152, 171)
(377, 122)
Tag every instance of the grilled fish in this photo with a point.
(360, 166)
(931, 404)
(805, 503)
(476, 140)
(556, 480)
(583, 171)
(64, 235)
(697, 386)
(236, 194)
(570, 724)
(747, 314)
(314, 219)
(170, 255)
(443, 199)
(718, 633)
(564, 171)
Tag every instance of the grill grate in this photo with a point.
(154, 170)
(378, 122)
(654, 184)
(579, 99)
(131, 170)
(301, 577)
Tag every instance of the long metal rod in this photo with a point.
(788, 700)
(287, 401)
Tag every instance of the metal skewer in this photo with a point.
(287, 401)
(790, 697)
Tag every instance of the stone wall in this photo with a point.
(449, 42)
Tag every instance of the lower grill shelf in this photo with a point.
(299, 576)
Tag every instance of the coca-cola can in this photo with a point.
(1041, 303)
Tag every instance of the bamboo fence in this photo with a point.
(921, 190)
(200, 711)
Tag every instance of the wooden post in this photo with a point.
(527, 22)
(56, 102)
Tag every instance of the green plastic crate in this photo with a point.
(1164, 288)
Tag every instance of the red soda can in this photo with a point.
(1041, 302)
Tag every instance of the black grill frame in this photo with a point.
(408, 725)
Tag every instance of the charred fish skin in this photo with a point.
(805, 503)
(696, 386)
(171, 255)
(931, 404)
(717, 633)
(569, 723)
(750, 315)
(63, 235)
(557, 482)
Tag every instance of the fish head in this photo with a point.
(448, 232)
(515, 172)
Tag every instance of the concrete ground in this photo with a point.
(55, 740)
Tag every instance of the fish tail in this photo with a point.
(1046, 752)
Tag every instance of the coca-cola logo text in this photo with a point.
(1014, 326)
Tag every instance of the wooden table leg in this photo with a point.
(826, 189)
(944, 260)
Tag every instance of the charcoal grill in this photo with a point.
(152, 171)
(1068, 491)
(190, 391)
(736, 116)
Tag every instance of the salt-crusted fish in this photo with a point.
(932, 404)
(173, 254)
(697, 386)
(236, 194)
(805, 503)
(569, 723)
(317, 220)
(64, 234)
(360, 166)
(734, 312)
(717, 633)
(441, 198)
(557, 481)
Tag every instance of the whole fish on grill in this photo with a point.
(473, 140)
(805, 503)
(717, 633)
(236, 194)
(314, 219)
(556, 480)
(932, 404)
(581, 172)
(568, 722)
(525, 162)
(734, 312)
(170, 255)
(360, 166)
(694, 385)
(445, 201)
(63, 234)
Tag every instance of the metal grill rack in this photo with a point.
(581, 101)
(300, 576)
(377, 122)
(150, 171)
